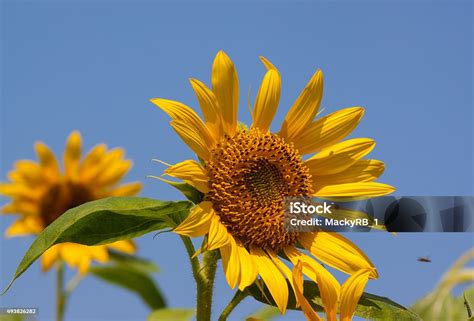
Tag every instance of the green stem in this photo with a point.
(60, 295)
(71, 285)
(204, 273)
(238, 297)
(195, 265)
(205, 285)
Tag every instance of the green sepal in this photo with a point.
(187, 190)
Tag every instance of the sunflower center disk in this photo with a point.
(250, 174)
(265, 182)
(61, 197)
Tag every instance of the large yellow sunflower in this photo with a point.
(245, 174)
(40, 192)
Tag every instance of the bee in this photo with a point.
(424, 259)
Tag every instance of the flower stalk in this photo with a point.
(205, 286)
(238, 297)
(204, 273)
(60, 294)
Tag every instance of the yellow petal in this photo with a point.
(113, 174)
(351, 292)
(198, 221)
(327, 130)
(178, 111)
(298, 281)
(72, 253)
(210, 108)
(21, 206)
(353, 191)
(192, 173)
(103, 160)
(72, 155)
(128, 189)
(189, 125)
(47, 160)
(340, 156)
(225, 85)
(267, 63)
(83, 265)
(364, 170)
(329, 289)
(192, 139)
(267, 100)
(93, 159)
(24, 226)
(99, 253)
(248, 268)
(337, 251)
(29, 173)
(230, 262)
(273, 278)
(125, 246)
(49, 257)
(76, 255)
(284, 270)
(304, 109)
(15, 190)
(311, 268)
(218, 235)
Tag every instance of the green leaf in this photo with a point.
(133, 280)
(188, 191)
(266, 313)
(133, 262)
(105, 221)
(374, 307)
(171, 315)
(370, 307)
(134, 274)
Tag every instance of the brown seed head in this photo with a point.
(249, 176)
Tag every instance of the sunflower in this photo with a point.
(40, 193)
(245, 174)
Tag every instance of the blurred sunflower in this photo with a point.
(40, 193)
(245, 174)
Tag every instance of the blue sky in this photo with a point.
(93, 67)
